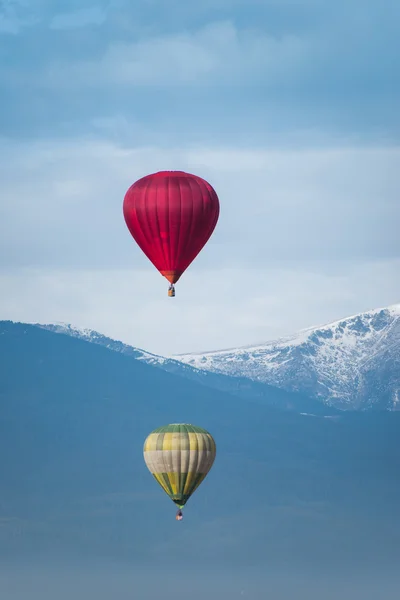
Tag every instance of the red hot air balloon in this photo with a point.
(171, 215)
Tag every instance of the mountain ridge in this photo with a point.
(73, 419)
(394, 308)
(338, 364)
(330, 362)
(236, 386)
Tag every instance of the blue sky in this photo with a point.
(273, 66)
(289, 108)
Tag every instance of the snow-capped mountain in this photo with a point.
(352, 363)
(236, 386)
(98, 338)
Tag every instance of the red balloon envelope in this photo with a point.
(171, 215)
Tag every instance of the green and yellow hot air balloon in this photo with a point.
(179, 456)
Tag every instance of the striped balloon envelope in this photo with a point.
(171, 215)
(179, 456)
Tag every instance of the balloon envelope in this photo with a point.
(171, 215)
(179, 456)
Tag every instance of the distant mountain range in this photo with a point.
(352, 364)
(286, 490)
(237, 386)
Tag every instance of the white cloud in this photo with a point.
(212, 309)
(218, 53)
(62, 203)
(305, 236)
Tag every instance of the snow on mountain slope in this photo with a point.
(236, 386)
(97, 338)
(352, 363)
(94, 337)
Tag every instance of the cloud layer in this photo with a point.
(62, 203)
(290, 109)
(233, 68)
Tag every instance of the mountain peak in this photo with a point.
(332, 362)
(351, 363)
(296, 338)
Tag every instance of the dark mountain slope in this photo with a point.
(284, 488)
(242, 387)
